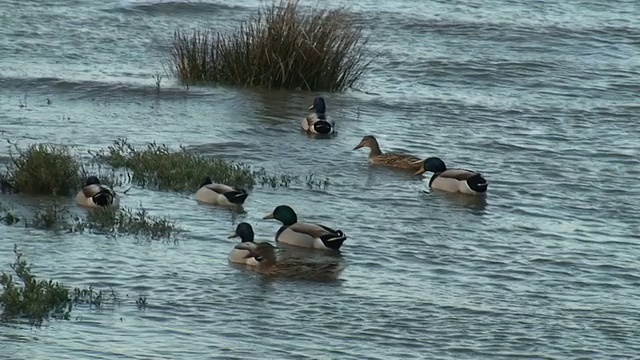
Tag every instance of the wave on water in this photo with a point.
(173, 7)
(87, 89)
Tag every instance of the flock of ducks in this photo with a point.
(261, 256)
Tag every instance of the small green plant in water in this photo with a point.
(23, 296)
(126, 221)
(159, 167)
(7, 216)
(51, 217)
(44, 169)
(30, 298)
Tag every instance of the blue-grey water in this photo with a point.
(541, 96)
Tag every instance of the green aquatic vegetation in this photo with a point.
(24, 296)
(282, 46)
(36, 300)
(159, 167)
(7, 216)
(44, 169)
(51, 217)
(126, 221)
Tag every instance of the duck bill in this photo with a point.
(358, 146)
(232, 235)
(312, 107)
(419, 172)
(270, 216)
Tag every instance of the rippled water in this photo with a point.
(542, 97)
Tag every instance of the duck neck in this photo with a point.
(375, 149)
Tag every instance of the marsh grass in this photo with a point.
(126, 221)
(159, 167)
(44, 169)
(7, 215)
(111, 222)
(23, 296)
(49, 169)
(282, 46)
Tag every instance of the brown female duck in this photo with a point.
(395, 160)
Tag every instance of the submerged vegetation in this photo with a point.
(26, 297)
(123, 221)
(161, 168)
(22, 296)
(281, 47)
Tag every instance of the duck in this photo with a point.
(318, 122)
(453, 180)
(220, 194)
(96, 195)
(290, 267)
(241, 256)
(301, 234)
(394, 160)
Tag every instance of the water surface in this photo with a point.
(539, 96)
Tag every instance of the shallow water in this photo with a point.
(541, 97)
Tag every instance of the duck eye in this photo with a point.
(258, 258)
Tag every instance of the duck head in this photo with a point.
(206, 181)
(368, 141)
(284, 214)
(244, 231)
(433, 164)
(318, 105)
(92, 180)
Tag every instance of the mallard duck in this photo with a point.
(453, 180)
(220, 194)
(302, 234)
(395, 160)
(96, 195)
(241, 256)
(318, 122)
(290, 267)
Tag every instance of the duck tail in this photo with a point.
(478, 183)
(322, 127)
(334, 240)
(103, 198)
(237, 196)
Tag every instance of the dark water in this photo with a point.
(542, 97)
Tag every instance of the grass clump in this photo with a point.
(44, 169)
(128, 222)
(280, 47)
(38, 300)
(159, 167)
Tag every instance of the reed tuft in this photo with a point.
(281, 47)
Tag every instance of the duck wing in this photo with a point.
(91, 190)
(458, 174)
(220, 188)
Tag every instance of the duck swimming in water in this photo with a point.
(96, 195)
(318, 122)
(270, 265)
(394, 160)
(220, 194)
(303, 234)
(242, 256)
(453, 180)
